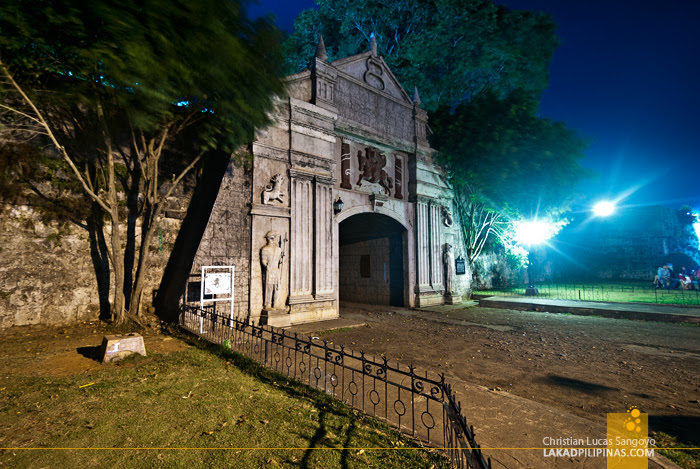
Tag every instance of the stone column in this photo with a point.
(301, 237)
(423, 243)
(435, 247)
(323, 240)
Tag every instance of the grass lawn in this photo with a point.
(198, 407)
(613, 291)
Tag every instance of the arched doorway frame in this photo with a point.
(409, 251)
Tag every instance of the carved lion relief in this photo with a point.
(273, 190)
(371, 168)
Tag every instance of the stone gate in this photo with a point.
(346, 133)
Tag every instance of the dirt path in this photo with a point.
(588, 366)
(52, 352)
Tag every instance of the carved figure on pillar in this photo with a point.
(371, 168)
(272, 259)
(448, 260)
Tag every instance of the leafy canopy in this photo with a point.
(154, 61)
(500, 151)
(131, 95)
(451, 50)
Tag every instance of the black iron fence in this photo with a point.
(420, 406)
(609, 293)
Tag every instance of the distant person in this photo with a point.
(674, 281)
(694, 277)
(684, 278)
(663, 277)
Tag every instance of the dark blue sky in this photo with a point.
(627, 77)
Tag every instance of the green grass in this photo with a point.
(609, 291)
(686, 458)
(201, 407)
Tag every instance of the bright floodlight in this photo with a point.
(533, 232)
(603, 209)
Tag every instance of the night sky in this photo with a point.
(626, 76)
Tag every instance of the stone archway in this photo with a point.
(372, 260)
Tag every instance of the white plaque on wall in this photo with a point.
(217, 283)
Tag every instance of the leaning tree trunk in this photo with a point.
(148, 228)
(118, 312)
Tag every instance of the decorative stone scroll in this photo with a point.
(273, 191)
(447, 216)
(371, 168)
(345, 166)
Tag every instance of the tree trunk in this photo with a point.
(118, 303)
(147, 230)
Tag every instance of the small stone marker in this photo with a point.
(116, 347)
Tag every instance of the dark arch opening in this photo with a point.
(371, 260)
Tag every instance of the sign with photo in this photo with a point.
(217, 283)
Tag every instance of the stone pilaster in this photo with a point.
(435, 247)
(423, 243)
(301, 237)
(323, 239)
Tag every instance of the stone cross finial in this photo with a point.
(416, 98)
(321, 50)
(373, 45)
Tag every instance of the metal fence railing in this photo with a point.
(609, 293)
(420, 406)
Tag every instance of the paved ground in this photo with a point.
(566, 371)
(647, 312)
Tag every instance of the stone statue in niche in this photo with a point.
(272, 260)
(273, 190)
(447, 216)
(448, 260)
(371, 169)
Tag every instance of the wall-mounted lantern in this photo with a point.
(338, 206)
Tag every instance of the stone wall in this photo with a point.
(227, 238)
(48, 275)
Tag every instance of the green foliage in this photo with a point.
(506, 163)
(513, 159)
(451, 50)
(140, 59)
(131, 93)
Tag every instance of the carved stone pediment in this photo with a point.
(374, 72)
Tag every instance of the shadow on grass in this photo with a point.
(326, 405)
(685, 427)
(579, 385)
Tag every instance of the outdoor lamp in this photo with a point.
(337, 206)
(604, 208)
(532, 233)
